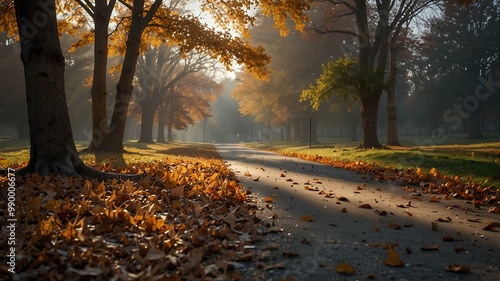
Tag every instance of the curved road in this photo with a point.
(342, 231)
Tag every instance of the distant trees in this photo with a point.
(461, 49)
(294, 62)
(160, 69)
(378, 26)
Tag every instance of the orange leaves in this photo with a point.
(307, 218)
(190, 211)
(393, 259)
(345, 268)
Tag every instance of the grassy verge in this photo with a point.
(481, 162)
(16, 152)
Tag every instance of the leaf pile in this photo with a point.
(432, 182)
(185, 220)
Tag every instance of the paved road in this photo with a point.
(344, 232)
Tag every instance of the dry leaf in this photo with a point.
(491, 226)
(365, 206)
(344, 268)
(495, 210)
(307, 218)
(458, 268)
(393, 259)
(394, 226)
(269, 200)
(429, 247)
(290, 254)
(434, 226)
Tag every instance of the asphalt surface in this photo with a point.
(343, 232)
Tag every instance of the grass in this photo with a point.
(17, 152)
(480, 161)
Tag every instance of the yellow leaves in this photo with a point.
(393, 258)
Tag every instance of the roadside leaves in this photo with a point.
(432, 182)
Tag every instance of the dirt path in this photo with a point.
(342, 231)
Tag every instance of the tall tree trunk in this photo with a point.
(52, 146)
(147, 116)
(353, 128)
(161, 123)
(113, 141)
(475, 124)
(369, 121)
(392, 123)
(297, 132)
(288, 132)
(99, 94)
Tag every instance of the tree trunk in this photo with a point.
(475, 124)
(52, 147)
(392, 123)
(147, 117)
(288, 132)
(113, 141)
(161, 123)
(369, 121)
(297, 132)
(99, 94)
(353, 128)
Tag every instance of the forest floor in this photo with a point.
(255, 215)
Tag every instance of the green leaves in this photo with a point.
(343, 82)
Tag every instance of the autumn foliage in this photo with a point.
(184, 218)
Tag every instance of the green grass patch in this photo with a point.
(17, 151)
(481, 161)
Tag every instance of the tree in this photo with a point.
(463, 46)
(187, 102)
(159, 69)
(275, 102)
(100, 11)
(375, 26)
(189, 33)
(52, 149)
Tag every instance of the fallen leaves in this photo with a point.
(186, 216)
(393, 258)
(491, 226)
(344, 268)
(307, 218)
(458, 268)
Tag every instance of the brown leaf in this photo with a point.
(393, 259)
(434, 226)
(429, 247)
(394, 226)
(495, 210)
(342, 198)
(458, 268)
(344, 268)
(269, 200)
(307, 218)
(290, 254)
(491, 226)
(257, 179)
(365, 206)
